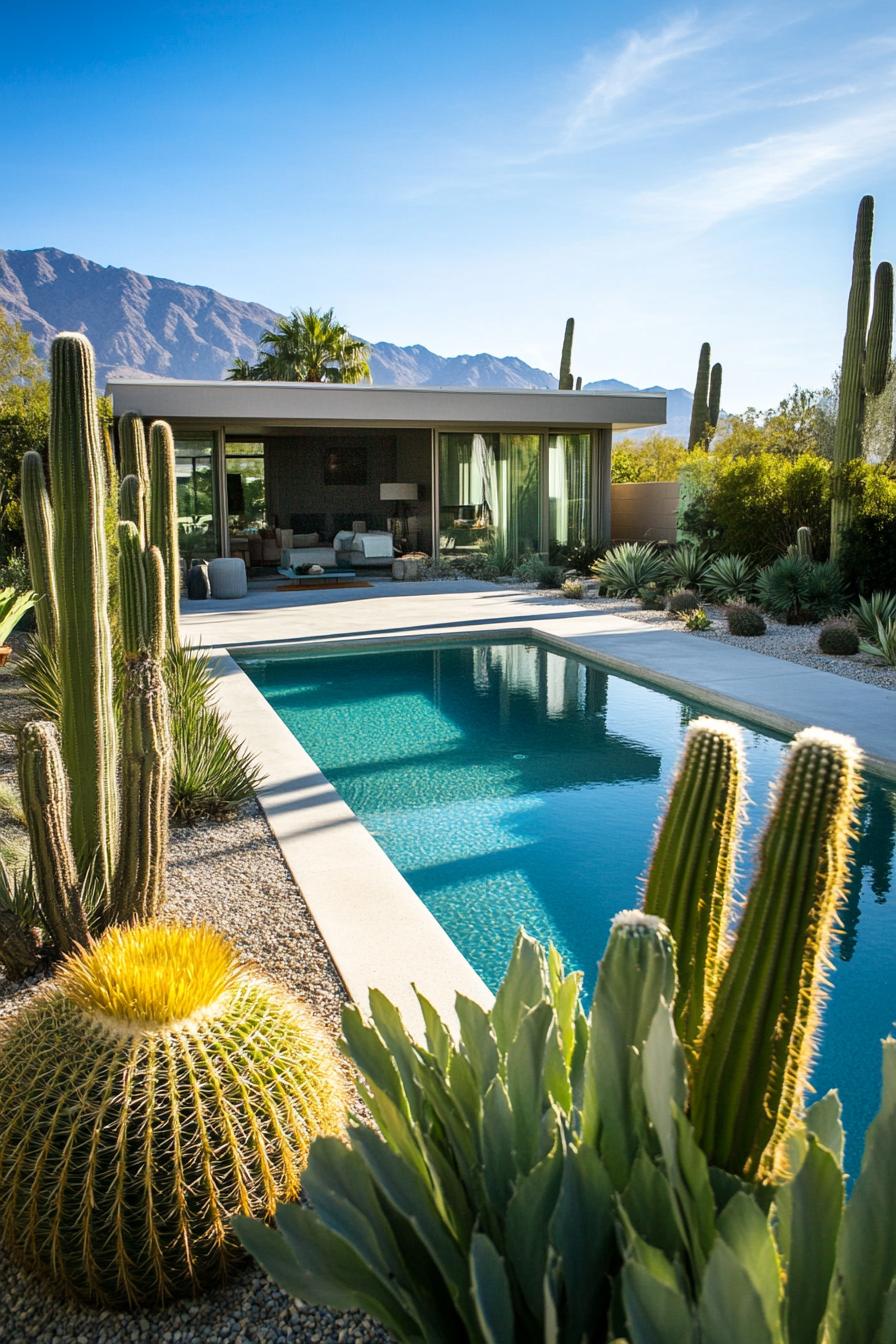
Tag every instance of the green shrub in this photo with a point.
(745, 620)
(838, 638)
(797, 590)
(696, 620)
(580, 557)
(652, 597)
(729, 578)
(478, 565)
(682, 601)
(14, 571)
(191, 1089)
(869, 610)
(535, 569)
(882, 644)
(752, 506)
(686, 565)
(629, 567)
(573, 588)
(868, 552)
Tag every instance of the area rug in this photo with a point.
(298, 587)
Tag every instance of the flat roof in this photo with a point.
(278, 404)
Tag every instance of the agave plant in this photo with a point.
(13, 606)
(686, 565)
(795, 590)
(869, 610)
(882, 644)
(628, 568)
(729, 578)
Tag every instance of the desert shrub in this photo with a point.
(869, 610)
(477, 565)
(629, 567)
(573, 588)
(192, 1088)
(681, 601)
(696, 619)
(439, 568)
(686, 565)
(745, 620)
(753, 505)
(579, 557)
(868, 552)
(839, 638)
(14, 571)
(882, 643)
(729, 578)
(535, 569)
(797, 590)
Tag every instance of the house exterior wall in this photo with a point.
(644, 511)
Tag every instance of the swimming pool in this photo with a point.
(512, 784)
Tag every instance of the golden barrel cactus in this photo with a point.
(154, 1089)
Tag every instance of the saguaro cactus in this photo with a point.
(865, 366)
(132, 448)
(163, 519)
(37, 516)
(88, 728)
(753, 1062)
(804, 542)
(692, 869)
(132, 504)
(715, 396)
(700, 404)
(565, 381)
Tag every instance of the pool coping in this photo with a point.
(377, 929)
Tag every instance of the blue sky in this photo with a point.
(466, 176)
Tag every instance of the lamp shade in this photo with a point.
(398, 490)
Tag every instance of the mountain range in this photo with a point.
(144, 326)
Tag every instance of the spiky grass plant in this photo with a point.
(686, 565)
(156, 1088)
(729, 578)
(869, 610)
(628, 568)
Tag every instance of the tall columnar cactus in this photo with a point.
(753, 1063)
(139, 882)
(880, 332)
(156, 1088)
(163, 519)
(565, 380)
(88, 727)
(132, 504)
(37, 516)
(804, 542)
(700, 404)
(714, 403)
(691, 874)
(132, 449)
(865, 367)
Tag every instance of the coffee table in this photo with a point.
(328, 576)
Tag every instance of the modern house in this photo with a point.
(447, 469)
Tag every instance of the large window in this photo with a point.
(196, 496)
(489, 493)
(245, 486)
(569, 489)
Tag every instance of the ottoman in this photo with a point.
(227, 577)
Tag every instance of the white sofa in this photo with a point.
(363, 549)
(304, 548)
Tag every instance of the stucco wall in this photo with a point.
(644, 511)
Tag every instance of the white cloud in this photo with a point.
(779, 168)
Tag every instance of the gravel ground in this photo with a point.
(232, 874)
(794, 643)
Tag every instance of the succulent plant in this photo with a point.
(804, 542)
(729, 578)
(629, 567)
(869, 610)
(37, 518)
(745, 620)
(686, 564)
(564, 382)
(700, 403)
(155, 1088)
(839, 638)
(681, 601)
(163, 519)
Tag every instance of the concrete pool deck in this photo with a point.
(378, 930)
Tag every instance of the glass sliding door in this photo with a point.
(569, 490)
(197, 503)
(246, 505)
(489, 493)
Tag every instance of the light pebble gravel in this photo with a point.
(793, 643)
(232, 874)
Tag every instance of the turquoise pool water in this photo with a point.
(514, 785)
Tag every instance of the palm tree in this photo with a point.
(241, 370)
(307, 347)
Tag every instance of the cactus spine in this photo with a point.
(156, 1088)
(163, 519)
(753, 1062)
(37, 517)
(700, 404)
(692, 869)
(88, 728)
(565, 380)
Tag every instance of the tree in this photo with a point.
(308, 346)
(658, 457)
(803, 422)
(24, 422)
